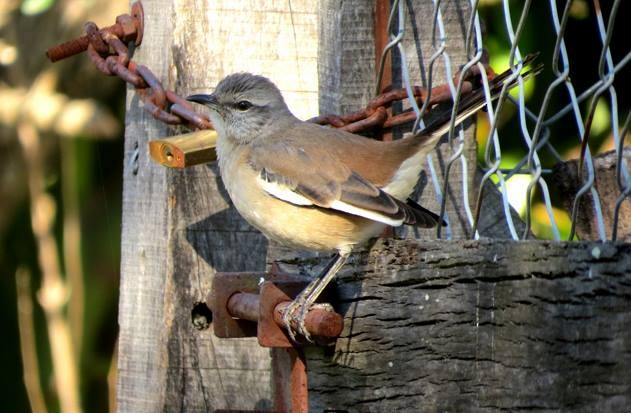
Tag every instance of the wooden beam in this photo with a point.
(479, 325)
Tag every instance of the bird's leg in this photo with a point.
(306, 298)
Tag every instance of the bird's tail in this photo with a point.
(469, 104)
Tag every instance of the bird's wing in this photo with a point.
(305, 173)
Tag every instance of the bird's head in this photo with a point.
(245, 107)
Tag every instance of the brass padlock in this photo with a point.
(186, 150)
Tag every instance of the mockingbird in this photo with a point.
(317, 188)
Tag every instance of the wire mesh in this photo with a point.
(542, 146)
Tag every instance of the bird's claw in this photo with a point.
(295, 315)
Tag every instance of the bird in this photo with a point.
(316, 188)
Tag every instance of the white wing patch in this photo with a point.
(282, 192)
(372, 215)
(286, 194)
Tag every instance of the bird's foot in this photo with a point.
(295, 315)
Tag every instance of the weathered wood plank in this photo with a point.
(144, 243)
(568, 181)
(480, 325)
(346, 55)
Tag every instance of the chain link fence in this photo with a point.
(561, 189)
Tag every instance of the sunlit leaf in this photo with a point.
(32, 7)
(601, 122)
(541, 225)
(516, 190)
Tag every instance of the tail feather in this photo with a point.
(476, 100)
(402, 182)
(419, 216)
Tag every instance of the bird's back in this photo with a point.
(374, 160)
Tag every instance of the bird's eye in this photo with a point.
(244, 105)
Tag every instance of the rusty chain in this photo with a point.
(375, 114)
(108, 49)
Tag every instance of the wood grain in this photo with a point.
(567, 180)
(143, 334)
(479, 326)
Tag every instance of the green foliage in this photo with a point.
(33, 7)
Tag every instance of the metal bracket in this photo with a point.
(224, 286)
(251, 304)
(269, 333)
(237, 309)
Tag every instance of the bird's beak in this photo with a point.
(208, 100)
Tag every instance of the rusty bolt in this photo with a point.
(244, 306)
(127, 25)
(318, 322)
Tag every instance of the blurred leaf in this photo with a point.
(601, 122)
(541, 226)
(32, 7)
(489, 3)
(8, 53)
(516, 191)
(579, 10)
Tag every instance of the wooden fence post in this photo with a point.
(179, 226)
